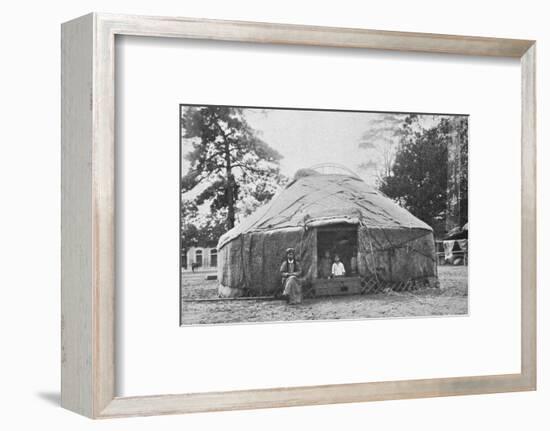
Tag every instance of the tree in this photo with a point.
(205, 233)
(380, 141)
(462, 131)
(227, 154)
(419, 176)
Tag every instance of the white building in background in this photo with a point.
(202, 257)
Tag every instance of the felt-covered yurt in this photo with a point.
(379, 242)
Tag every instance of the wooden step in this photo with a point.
(336, 286)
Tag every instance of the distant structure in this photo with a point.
(201, 257)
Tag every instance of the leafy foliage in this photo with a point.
(418, 178)
(203, 232)
(462, 131)
(231, 170)
(380, 141)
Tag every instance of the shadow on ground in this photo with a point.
(53, 398)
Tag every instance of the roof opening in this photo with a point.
(332, 168)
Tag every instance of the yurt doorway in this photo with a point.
(337, 239)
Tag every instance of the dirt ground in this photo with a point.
(450, 299)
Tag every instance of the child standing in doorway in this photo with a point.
(338, 269)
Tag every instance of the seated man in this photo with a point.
(290, 271)
(338, 269)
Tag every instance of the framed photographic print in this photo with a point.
(265, 215)
(354, 245)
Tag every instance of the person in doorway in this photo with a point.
(338, 269)
(290, 273)
(325, 266)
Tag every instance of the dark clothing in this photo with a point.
(292, 287)
(289, 267)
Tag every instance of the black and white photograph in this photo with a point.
(249, 215)
(301, 214)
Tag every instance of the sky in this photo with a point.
(308, 138)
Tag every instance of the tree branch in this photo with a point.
(249, 168)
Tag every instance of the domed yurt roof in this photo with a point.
(315, 199)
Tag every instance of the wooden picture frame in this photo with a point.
(88, 215)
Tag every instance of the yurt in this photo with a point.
(381, 244)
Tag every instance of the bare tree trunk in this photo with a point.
(229, 189)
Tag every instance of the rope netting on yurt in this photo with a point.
(318, 214)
